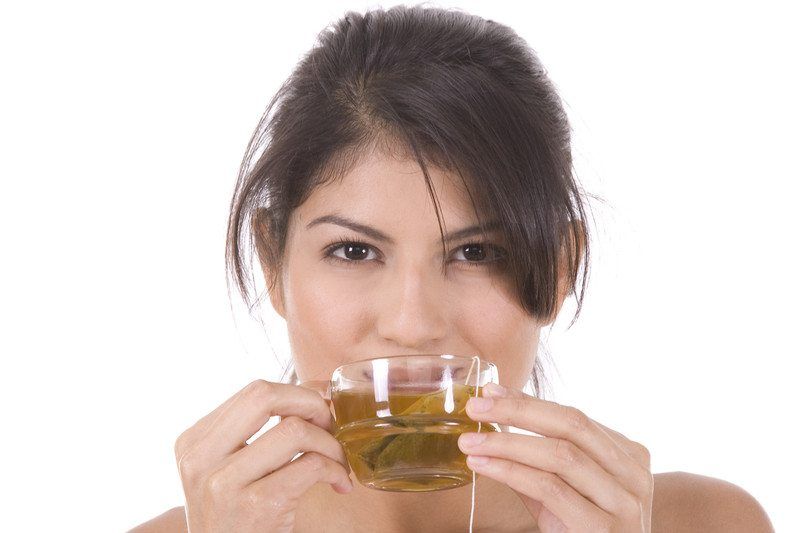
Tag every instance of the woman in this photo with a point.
(413, 193)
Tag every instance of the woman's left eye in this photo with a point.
(477, 253)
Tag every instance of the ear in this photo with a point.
(275, 292)
(272, 277)
(564, 282)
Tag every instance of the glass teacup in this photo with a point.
(398, 418)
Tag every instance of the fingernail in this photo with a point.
(494, 390)
(479, 405)
(472, 439)
(477, 460)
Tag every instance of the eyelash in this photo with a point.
(499, 253)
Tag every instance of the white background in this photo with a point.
(121, 129)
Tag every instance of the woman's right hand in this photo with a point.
(230, 485)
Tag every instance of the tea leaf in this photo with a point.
(369, 453)
(408, 449)
(426, 404)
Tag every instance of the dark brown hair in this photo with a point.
(448, 89)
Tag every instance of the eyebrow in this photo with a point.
(378, 235)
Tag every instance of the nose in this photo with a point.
(412, 313)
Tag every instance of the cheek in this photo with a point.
(499, 329)
(326, 317)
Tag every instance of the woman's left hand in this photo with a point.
(579, 476)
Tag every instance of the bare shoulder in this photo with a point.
(691, 503)
(682, 503)
(172, 521)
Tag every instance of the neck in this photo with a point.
(497, 508)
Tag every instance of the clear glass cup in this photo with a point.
(399, 417)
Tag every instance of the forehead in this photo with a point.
(392, 192)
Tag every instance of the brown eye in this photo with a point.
(355, 252)
(351, 251)
(477, 254)
(474, 252)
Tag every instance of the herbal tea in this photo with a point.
(414, 447)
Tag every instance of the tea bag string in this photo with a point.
(475, 358)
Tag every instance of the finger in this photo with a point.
(284, 487)
(322, 387)
(558, 456)
(493, 390)
(636, 450)
(253, 408)
(564, 422)
(188, 438)
(277, 447)
(575, 511)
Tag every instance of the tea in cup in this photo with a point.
(398, 418)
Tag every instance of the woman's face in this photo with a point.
(390, 296)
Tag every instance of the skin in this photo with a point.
(390, 299)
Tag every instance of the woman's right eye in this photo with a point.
(351, 252)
